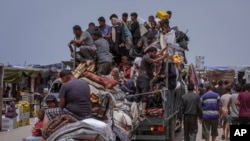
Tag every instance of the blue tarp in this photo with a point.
(216, 68)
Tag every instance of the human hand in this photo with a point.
(122, 45)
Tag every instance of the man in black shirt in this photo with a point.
(146, 73)
(191, 109)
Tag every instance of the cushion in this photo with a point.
(94, 77)
(109, 83)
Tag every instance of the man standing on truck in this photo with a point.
(74, 99)
(146, 73)
(212, 110)
(191, 109)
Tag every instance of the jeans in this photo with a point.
(190, 127)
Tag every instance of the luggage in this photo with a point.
(94, 77)
(161, 14)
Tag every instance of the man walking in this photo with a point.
(211, 109)
(191, 109)
(244, 106)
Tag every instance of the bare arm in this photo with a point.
(160, 58)
(62, 102)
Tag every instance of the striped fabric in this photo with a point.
(210, 105)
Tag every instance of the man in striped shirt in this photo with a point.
(212, 109)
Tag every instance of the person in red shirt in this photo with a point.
(244, 106)
(127, 70)
(37, 129)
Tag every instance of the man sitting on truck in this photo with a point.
(74, 99)
(83, 41)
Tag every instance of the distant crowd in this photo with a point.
(217, 105)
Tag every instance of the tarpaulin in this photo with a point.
(15, 75)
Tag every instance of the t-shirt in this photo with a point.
(77, 96)
(234, 107)
(105, 30)
(103, 54)
(225, 100)
(87, 39)
(244, 108)
(38, 126)
(146, 67)
(210, 105)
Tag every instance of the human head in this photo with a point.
(77, 30)
(133, 16)
(102, 21)
(169, 14)
(228, 89)
(190, 87)
(226, 82)
(114, 21)
(209, 87)
(125, 16)
(91, 25)
(153, 24)
(124, 59)
(115, 72)
(150, 38)
(96, 33)
(140, 44)
(220, 82)
(51, 101)
(40, 114)
(66, 75)
(152, 51)
(113, 16)
(238, 88)
(151, 18)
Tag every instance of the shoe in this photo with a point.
(223, 137)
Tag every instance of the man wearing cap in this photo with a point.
(85, 43)
(74, 99)
(51, 101)
(146, 73)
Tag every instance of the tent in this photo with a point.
(15, 75)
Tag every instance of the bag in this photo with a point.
(100, 111)
(154, 111)
(162, 14)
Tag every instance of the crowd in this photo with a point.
(216, 105)
(126, 51)
(129, 51)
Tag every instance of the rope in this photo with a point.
(147, 93)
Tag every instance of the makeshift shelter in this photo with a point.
(15, 75)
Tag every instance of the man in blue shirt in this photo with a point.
(212, 110)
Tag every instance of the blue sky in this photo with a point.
(38, 31)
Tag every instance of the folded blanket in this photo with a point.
(57, 123)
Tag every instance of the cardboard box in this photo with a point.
(20, 116)
(9, 123)
(26, 115)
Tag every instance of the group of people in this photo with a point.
(120, 52)
(216, 105)
(126, 54)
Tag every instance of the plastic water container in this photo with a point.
(161, 14)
